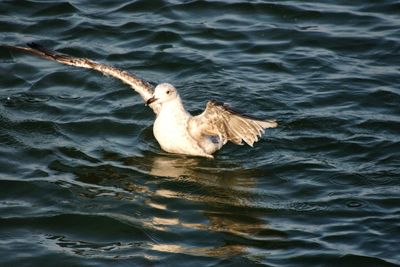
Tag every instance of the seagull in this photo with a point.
(175, 129)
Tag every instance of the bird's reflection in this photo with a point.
(208, 197)
(220, 188)
(174, 167)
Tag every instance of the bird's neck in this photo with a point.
(173, 107)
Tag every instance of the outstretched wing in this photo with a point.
(142, 87)
(219, 120)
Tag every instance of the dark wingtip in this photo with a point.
(33, 45)
(36, 46)
(41, 48)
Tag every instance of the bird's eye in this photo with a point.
(168, 92)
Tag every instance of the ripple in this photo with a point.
(51, 9)
(69, 97)
(355, 203)
(83, 177)
(17, 100)
(305, 207)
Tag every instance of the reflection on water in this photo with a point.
(126, 250)
(169, 166)
(209, 191)
(220, 252)
(216, 189)
(197, 180)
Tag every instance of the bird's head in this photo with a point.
(163, 93)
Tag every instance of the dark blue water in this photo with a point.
(84, 183)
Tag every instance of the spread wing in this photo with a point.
(142, 87)
(219, 120)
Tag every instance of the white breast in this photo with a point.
(171, 131)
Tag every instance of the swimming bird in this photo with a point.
(175, 129)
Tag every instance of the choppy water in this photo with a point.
(84, 183)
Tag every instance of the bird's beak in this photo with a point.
(151, 100)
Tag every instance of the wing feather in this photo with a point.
(141, 86)
(220, 120)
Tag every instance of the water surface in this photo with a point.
(84, 183)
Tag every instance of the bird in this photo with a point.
(175, 129)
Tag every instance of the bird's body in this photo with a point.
(175, 129)
(171, 130)
(176, 133)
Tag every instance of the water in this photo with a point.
(84, 183)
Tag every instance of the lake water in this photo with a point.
(83, 182)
